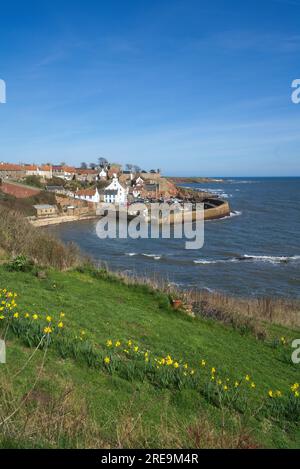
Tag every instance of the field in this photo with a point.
(127, 370)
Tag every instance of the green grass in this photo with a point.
(138, 413)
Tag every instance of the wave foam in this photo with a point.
(272, 259)
(152, 256)
(250, 258)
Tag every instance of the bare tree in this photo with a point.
(83, 165)
(136, 168)
(102, 162)
(92, 165)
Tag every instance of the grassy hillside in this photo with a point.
(25, 205)
(78, 399)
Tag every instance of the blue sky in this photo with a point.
(192, 87)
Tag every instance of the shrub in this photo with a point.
(20, 263)
(19, 238)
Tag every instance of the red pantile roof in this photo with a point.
(10, 167)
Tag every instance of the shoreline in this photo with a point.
(40, 222)
(196, 180)
(213, 213)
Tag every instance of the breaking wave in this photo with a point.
(250, 258)
(156, 257)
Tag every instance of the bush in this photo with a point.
(19, 238)
(33, 181)
(21, 264)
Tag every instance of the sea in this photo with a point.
(253, 252)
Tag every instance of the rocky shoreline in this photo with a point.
(195, 180)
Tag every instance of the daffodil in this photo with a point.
(49, 318)
(247, 378)
(169, 360)
(109, 343)
(203, 362)
(60, 324)
(176, 365)
(295, 386)
(118, 343)
(253, 385)
(107, 360)
(35, 317)
(213, 370)
(16, 315)
(47, 330)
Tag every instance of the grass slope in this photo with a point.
(117, 412)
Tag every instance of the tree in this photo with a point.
(136, 168)
(128, 167)
(92, 165)
(102, 162)
(83, 165)
(63, 163)
(33, 180)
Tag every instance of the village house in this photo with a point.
(45, 210)
(11, 171)
(64, 172)
(89, 195)
(43, 171)
(115, 193)
(103, 175)
(137, 187)
(86, 175)
(150, 190)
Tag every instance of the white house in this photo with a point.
(136, 193)
(44, 171)
(139, 181)
(89, 195)
(103, 174)
(115, 193)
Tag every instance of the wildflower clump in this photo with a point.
(34, 328)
